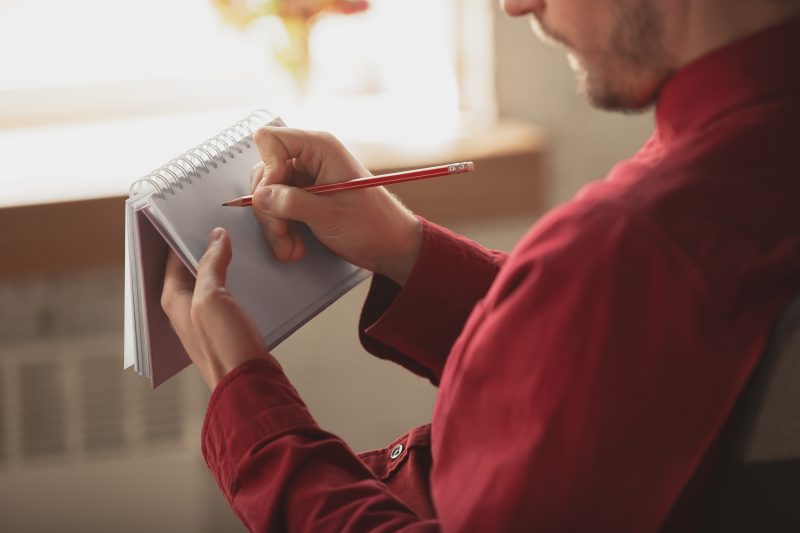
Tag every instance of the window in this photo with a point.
(401, 63)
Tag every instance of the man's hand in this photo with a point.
(216, 332)
(368, 227)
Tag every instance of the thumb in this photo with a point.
(290, 203)
(213, 266)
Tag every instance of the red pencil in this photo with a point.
(373, 181)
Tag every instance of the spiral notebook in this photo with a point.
(176, 206)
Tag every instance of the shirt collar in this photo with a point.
(758, 67)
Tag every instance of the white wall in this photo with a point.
(536, 84)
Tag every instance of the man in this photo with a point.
(585, 379)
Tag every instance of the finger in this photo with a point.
(306, 168)
(177, 277)
(213, 266)
(257, 179)
(176, 296)
(291, 174)
(281, 201)
(274, 205)
(227, 332)
(276, 232)
(298, 246)
(277, 145)
(301, 176)
(256, 173)
(178, 283)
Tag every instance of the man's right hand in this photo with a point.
(368, 227)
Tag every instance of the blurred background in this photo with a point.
(96, 93)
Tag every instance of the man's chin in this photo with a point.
(616, 99)
(618, 103)
(601, 88)
(603, 93)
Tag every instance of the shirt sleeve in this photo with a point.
(280, 472)
(583, 393)
(416, 325)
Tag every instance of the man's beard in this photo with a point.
(629, 71)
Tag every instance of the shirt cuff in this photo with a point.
(251, 405)
(416, 325)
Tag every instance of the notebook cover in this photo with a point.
(167, 355)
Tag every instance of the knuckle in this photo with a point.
(202, 303)
(286, 202)
(285, 197)
(257, 169)
(199, 305)
(194, 316)
(262, 135)
(327, 138)
(166, 302)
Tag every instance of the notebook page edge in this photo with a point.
(128, 343)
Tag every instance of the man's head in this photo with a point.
(624, 51)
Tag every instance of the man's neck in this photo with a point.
(706, 25)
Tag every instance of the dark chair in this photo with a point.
(758, 489)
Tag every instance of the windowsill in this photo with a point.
(100, 159)
(64, 186)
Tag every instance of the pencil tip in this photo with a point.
(225, 204)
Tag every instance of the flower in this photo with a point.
(297, 17)
(241, 13)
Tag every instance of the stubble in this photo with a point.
(626, 72)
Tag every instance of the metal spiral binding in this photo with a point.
(195, 162)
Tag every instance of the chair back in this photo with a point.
(759, 485)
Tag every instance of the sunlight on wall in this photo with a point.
(393, 64)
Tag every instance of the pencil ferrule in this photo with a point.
(457, 168)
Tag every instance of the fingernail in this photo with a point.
(262, 197)
(216, 234)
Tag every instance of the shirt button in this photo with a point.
(396, 451)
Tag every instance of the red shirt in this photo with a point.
(584, 378)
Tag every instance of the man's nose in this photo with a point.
(517, 8)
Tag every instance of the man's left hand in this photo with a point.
(215, 331)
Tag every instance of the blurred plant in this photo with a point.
(297, 16)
